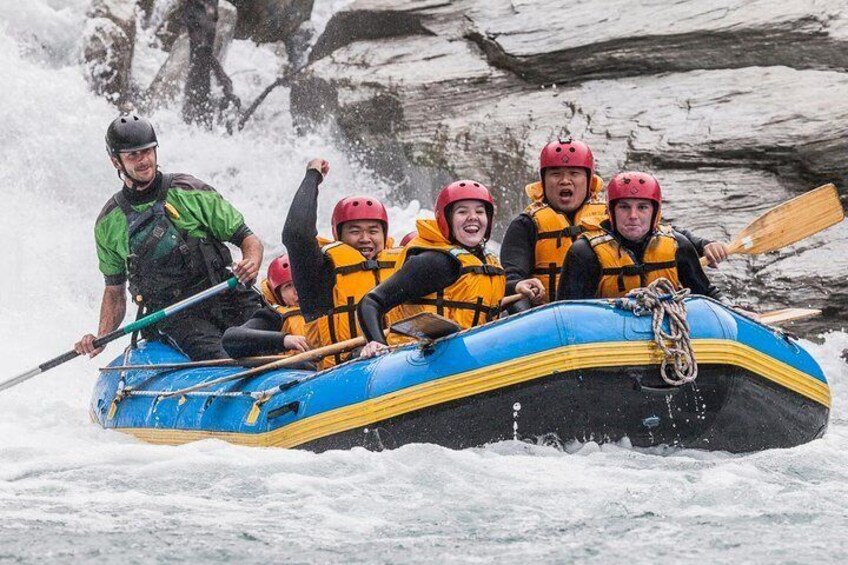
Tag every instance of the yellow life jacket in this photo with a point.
(555, 234)
(474, 298)
(621, 273)
(354, 276)
(293, 322)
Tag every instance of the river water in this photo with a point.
(71, 492)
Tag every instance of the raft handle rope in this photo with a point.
(661, 300)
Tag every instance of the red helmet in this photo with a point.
(358, 208)
(633, 184)
(463, 190)
(567, 153)
(279, 272)
(408, 237)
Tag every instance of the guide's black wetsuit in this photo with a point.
(581, 272)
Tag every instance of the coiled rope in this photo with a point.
(662, 300)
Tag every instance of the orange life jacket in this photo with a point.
(620, 272)
(555, 234)
(354, 276)
(293, 322)
(474, 298)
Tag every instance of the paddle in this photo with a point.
(144, 322)
(422, 325)
(242, 362)
(789, 222)
(787, 315)
(511, 299)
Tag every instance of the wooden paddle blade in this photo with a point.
(788, 315)
(426, 325)
(790, 222)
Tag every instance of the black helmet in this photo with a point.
(129, 132)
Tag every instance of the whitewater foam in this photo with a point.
(71, 492)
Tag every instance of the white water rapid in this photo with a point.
(71, 492)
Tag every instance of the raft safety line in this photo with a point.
(661, 299)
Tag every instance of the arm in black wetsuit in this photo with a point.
(260, 335)
(422, 274)
(518, 251)
(581, 273)
(690, 272)
(312, 272)
(698, 242)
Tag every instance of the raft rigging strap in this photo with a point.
(661, 299)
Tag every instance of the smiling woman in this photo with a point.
(469, 222)
(445, 269)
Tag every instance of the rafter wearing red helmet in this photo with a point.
(445, 268)
(277, 327)
(631, 249)
(332, 276)
(565, 202)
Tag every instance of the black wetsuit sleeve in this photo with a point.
(422, 274)
(581, 273)
(518, 251)
(312, 272)
(698, 242)
(691, 273)
(260, 335)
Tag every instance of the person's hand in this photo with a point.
(715, 252)
(320, 165)
(296, 343)
(373, 349)
(85, 346)
(532, 289)
(246, 271)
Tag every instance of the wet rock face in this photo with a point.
(270, 20)
(734, 105)
(168, 85)
(108, 42)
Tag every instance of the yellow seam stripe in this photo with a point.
(485, 379)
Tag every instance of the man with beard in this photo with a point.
(163, 234)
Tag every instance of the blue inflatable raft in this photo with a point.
(582, 370)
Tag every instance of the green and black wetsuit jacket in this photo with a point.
(166, 240)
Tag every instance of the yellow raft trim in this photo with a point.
(485, 379)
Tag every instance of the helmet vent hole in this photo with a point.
(356, 203)
(641, 181)
(571, 149)
(627, 180)
(559, 149)
(369, 203)
(477, 184)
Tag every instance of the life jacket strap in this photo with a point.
(641, 270)
(368, 265)
(571, 232)
(489, 270)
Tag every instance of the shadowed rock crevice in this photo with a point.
(635, 56)
(348, 27)
(792, 164)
